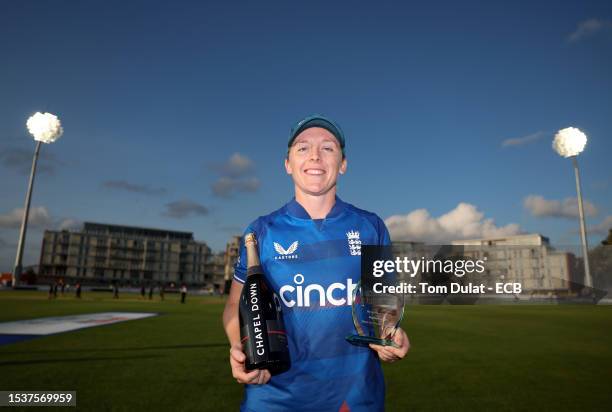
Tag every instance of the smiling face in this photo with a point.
(314, 161)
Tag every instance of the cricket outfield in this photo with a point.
(518, 357)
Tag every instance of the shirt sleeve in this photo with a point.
(383, 234)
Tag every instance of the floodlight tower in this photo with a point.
(45, 128)
(570, 142)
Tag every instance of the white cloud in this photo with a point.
(238, 164)
(226, 186)
(38, 217)
(588, 28)
(181, 209)
(463, 222)
(523, 140)
(567, 208)
(133, 187)
(235, 176)
(235, 166)
(20, 160)
(603, 227)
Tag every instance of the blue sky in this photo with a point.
(162, 103)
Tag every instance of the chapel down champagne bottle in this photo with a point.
(262, 331)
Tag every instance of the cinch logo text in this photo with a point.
(300, 295)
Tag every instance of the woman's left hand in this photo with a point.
(390, 353)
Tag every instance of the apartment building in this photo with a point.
(231, 256)
(103, 253)
(528, 259)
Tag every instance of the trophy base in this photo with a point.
(367, 340)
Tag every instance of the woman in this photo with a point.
(310, 251)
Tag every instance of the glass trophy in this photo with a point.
(376, 316)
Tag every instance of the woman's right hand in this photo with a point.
(239, 372)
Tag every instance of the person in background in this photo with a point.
(183, 293)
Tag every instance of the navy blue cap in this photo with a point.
(317, 120)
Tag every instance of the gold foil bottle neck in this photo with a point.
(250, 243)
(250, 238)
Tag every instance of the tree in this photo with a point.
(600, 259)
(608, 240)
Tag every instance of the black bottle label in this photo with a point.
(254, 329)
(262, 329)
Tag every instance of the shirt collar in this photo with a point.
(295, 209)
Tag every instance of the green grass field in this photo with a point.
(462, 358)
